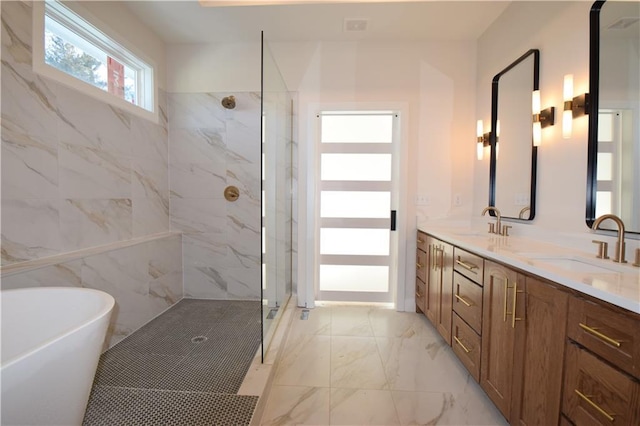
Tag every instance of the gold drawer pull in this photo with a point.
(460, 298)
(594, 405)
(420, 241)
(469, 266)
(461, 344)
(418, 295)
(419, 266)
(599, 335)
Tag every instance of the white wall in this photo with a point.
(561, 31)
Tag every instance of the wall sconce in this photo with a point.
(574, 107)
(482, 139)
(541, 119)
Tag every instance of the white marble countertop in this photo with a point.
(618, 284)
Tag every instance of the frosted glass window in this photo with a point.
(350, 204)
(356, 167)
(370, 242)
(605, 166)
(357, 128)
(603, 203)
(605, 127)
(354, 278)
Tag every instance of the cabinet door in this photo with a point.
(434, 277)
(539, 354)
(498, 334)
(445, 293)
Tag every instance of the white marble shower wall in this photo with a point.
(85, 181)
(210, 148)
(76, 172)
(144, 276)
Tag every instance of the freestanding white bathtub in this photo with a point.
(51, 343)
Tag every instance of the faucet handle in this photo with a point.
(619, 258)
(637, 262)
(602, 249)
(492, 227)
(505, 230)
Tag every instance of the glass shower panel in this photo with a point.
(277, 180)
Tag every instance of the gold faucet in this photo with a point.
(498, 226)
(523, 211)
(619, 257)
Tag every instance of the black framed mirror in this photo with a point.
(512, 169)
(613, 159)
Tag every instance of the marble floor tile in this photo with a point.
(362, 407)
(356, 363)
(421, 364)
(348, 365)
(351, 321)
(299, 405)
(318, 322)
(305, 362)
(471, 407)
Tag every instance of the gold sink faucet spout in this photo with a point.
(619, 257)
(498, 226)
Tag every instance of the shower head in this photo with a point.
(229, 102)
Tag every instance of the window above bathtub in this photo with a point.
(72, 50)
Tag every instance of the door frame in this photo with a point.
(308, 182)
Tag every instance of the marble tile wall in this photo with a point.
(145, 279)
(76, 172)
(210, 148)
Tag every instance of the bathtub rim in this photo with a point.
(105, 310)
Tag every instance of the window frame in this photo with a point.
(97, 34)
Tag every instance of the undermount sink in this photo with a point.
(575, 264)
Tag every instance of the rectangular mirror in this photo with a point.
(512, 173)
(613, 180)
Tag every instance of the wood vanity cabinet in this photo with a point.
(439, 286)
(522, 345)
(422, 266)
(602, 365)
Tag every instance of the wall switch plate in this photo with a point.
(422, 200)
(457, 200)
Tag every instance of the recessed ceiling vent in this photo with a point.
(352, 25)
(623, 23)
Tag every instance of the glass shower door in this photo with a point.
(277, 179)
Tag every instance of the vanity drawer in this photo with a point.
(596, 393)
(614, 335)
(468, 264)
(421, 265)
(422, 241)
(421, 294)
(466, 345)
(467, 301)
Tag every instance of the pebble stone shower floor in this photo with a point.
(183, 368)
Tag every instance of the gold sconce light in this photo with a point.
(541, 118)
(574, 107)
(482, 139)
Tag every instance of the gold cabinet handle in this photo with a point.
(420, 241)
(594, 405)
(458, 341)
(506, 289)
(419, 266)
(460, 298)
(599, 335)
(418, 295)
(514, 318)
(466, 265)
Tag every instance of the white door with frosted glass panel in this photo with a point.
(356, 194)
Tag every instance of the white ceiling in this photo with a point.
(188, 22)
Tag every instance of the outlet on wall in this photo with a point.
(457, 200)
(422, 200)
